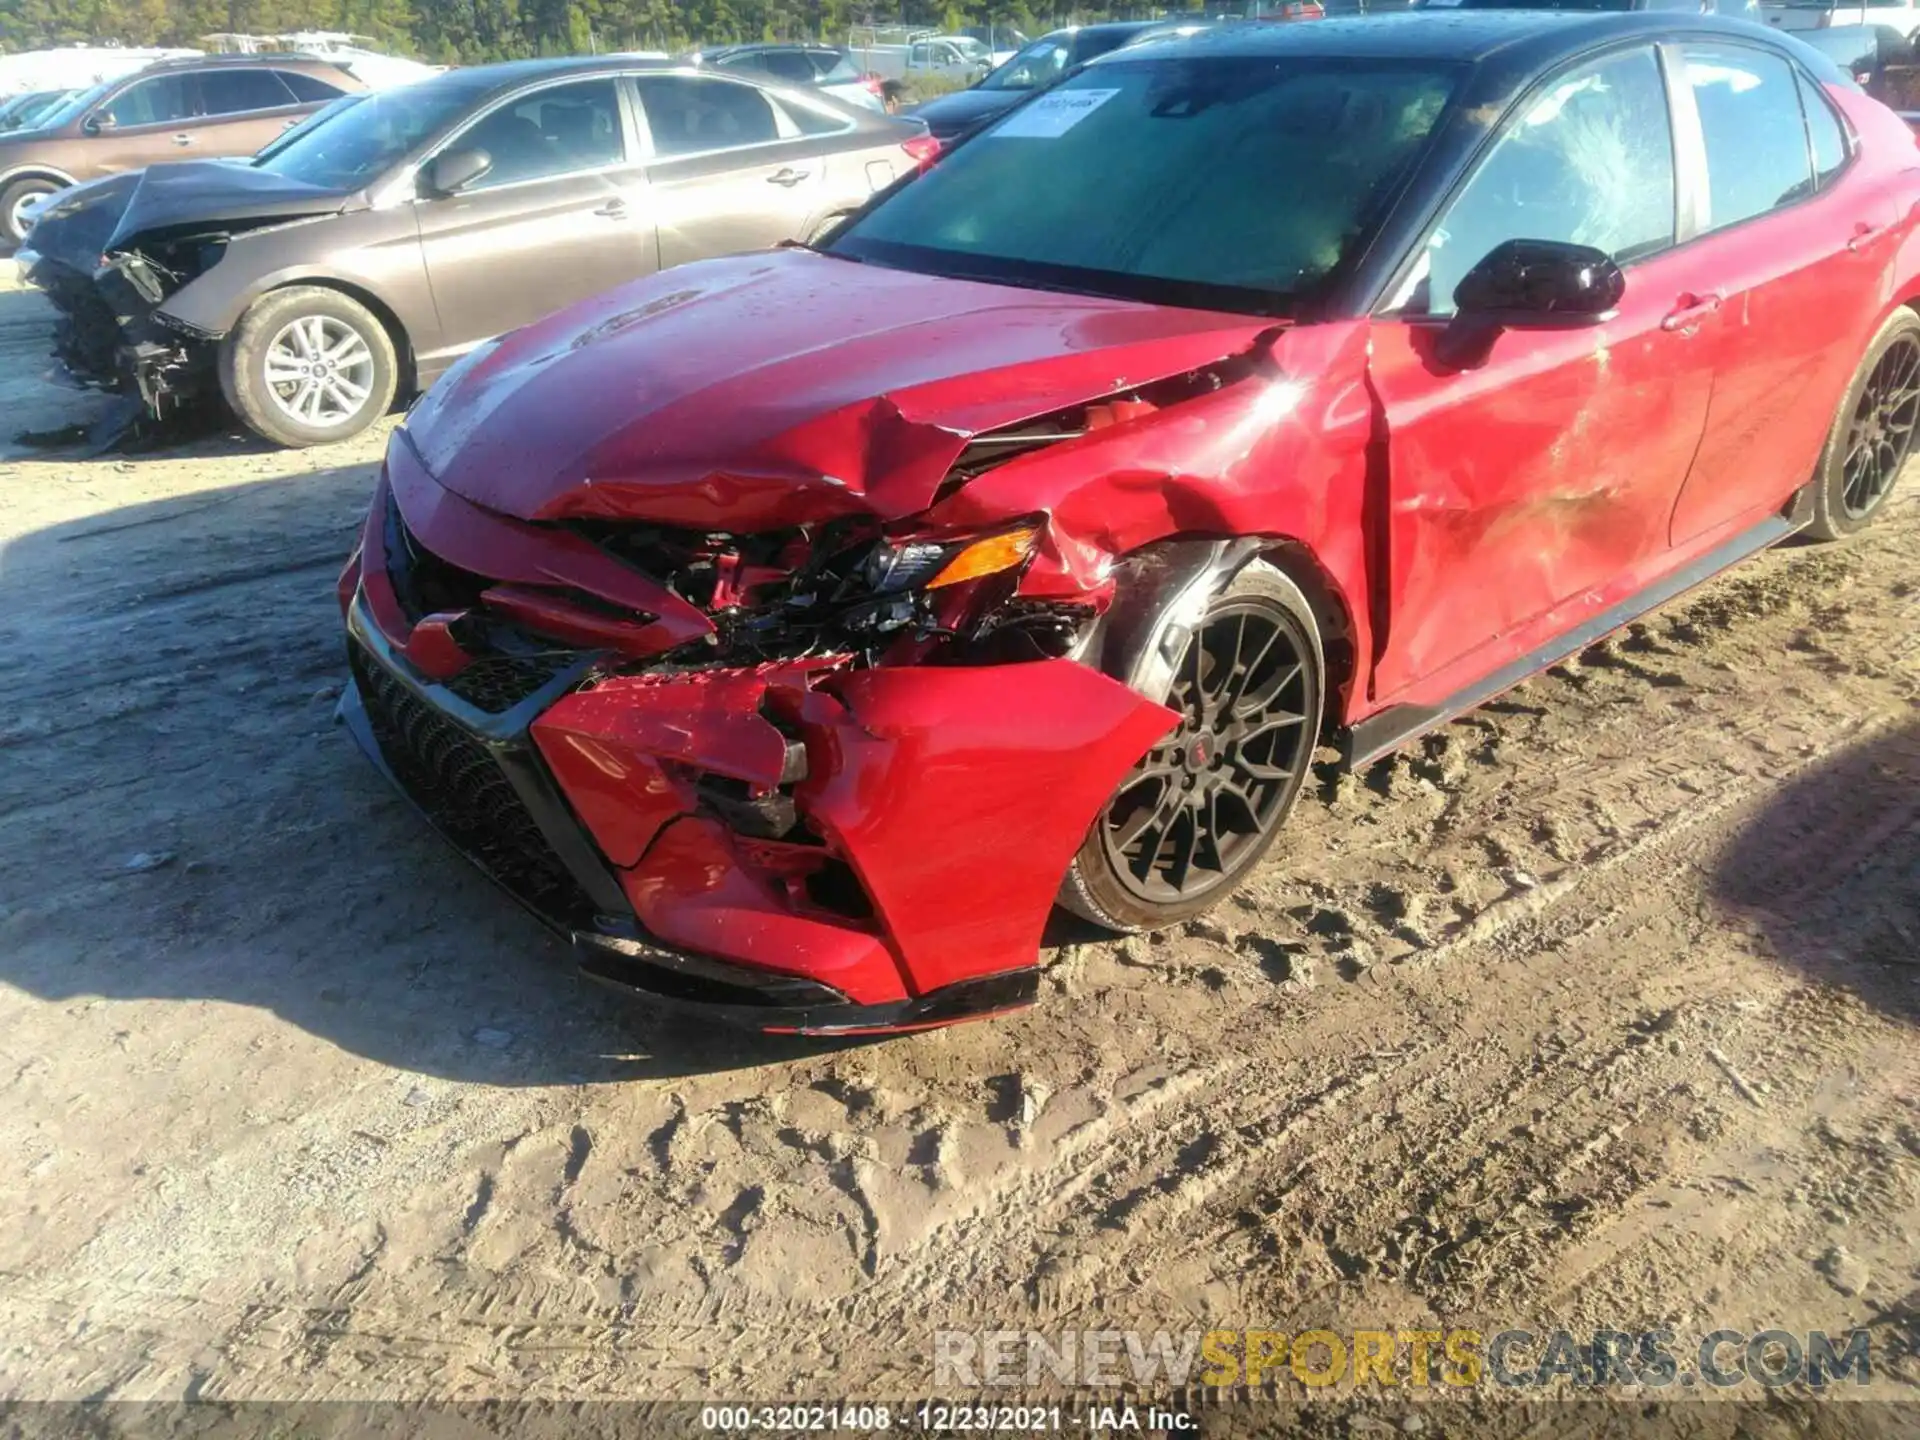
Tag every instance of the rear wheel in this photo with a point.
(14, 201)
(307, 366)
(1872, 434)
(1195, 815)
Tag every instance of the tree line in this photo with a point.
(454, 32)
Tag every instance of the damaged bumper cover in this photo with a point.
(112, 335)
(805, 844)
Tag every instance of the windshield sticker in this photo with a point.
(1053, 114)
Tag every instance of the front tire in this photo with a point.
(1873, 432)
(308, 366)
(1196, 814)
(14, 200)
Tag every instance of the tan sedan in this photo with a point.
(364, 254)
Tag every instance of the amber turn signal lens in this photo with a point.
(987, 557)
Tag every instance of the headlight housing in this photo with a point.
(927, 564)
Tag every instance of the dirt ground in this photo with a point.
(1597, 1009)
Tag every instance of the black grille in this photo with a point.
(88, 337)
(497, 683)
(453, 777)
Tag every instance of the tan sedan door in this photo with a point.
(730, 171)
(561, 215)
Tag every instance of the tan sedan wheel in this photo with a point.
(307, 366)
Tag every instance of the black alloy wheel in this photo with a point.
(1872, 435)
(1197, 812)
(1881, 434)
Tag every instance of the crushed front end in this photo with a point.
(112, 334)
(822, 778)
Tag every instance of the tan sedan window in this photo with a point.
(688, 114)
(556, 131)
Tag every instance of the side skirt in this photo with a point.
(1381, 734)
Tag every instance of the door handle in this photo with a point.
(613, 210)
(1863, 236)
(786, 176)
(1693, 309)
(183, 139)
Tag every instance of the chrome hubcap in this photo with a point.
(17, 214)
(319, 371)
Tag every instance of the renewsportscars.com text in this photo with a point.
(1418, 1359)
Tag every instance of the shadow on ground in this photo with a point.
(1831, 871)
(181, 818)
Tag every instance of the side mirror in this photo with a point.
(99, 122)
(1523, 284)
(452, 171)
(1528, 285)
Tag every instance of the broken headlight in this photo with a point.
(930, 564)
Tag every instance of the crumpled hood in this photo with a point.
(768, 390)
(103, 216)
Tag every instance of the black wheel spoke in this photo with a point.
(1881, 434)
(1198, 808)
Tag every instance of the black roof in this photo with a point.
(1466, 36)
(746, 47)
(1111, 27)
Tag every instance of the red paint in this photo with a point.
(1451, 520)
(913, 773)
(432, 650)
(935, 776)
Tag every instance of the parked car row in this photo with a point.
(173, 110)
(367, 250)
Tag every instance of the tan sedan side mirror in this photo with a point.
(452, 171)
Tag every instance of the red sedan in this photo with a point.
(793, 630)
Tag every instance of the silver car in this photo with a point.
(359, 258)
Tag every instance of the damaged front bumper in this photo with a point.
(112, 335)
(802, 845)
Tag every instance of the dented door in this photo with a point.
(1536, 475)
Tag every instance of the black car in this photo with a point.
(1032, 68)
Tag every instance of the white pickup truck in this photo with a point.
(952, 57)
(1901, 15)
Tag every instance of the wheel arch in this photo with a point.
(31, 171)
(1332, 615)
(383, 312)
(1163, 587)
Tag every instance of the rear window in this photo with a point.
(1236, 183)
(309, 88)
(835, 67)
(234, 92)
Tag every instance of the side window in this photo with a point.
(158, 101)
(688, 114)
(556, 131)
(1588, 161)
(809, 121)
(793, 66)
(918, 53)
(832, 67)
(1756, 136)
(308, 88)
(234, 92)
(1829, 141)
